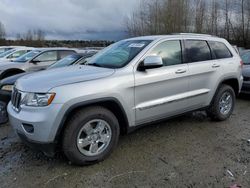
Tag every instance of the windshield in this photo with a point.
(246, 58)
(119, 54)
(69, 60)
(6, 53)
(4, 50)
(27, 56)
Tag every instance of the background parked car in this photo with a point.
(7, 48)
(36, 60)
(6, 85)
(246, 72)
(14, 53)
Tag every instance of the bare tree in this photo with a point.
(29, 36)
(199, 15)
(2, 31)
(228, 18)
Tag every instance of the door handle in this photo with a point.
(215, 66)
(181, 71)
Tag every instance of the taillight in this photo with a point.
(241, 64)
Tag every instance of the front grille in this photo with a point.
(246, 78)
(16, 99)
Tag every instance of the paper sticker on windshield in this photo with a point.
(136, 45)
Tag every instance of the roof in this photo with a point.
(55, 48)
(174, 35)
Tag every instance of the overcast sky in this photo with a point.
(67, 19)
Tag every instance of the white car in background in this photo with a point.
(7, 48)
(14, 53)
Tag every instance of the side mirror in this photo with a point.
(35, 61)
(151, 62)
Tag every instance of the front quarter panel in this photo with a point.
(119, 87)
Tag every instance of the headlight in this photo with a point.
(7, 87)
(38, 99)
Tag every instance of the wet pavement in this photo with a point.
(189, 151)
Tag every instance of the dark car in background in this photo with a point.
(6, 85)
(246, 72)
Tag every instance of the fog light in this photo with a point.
(28, 128)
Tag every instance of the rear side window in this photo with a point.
(64, 53)
(220, 50)
(197, 50)
(169, 51)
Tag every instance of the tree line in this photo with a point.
(37, 38)
(229, 19)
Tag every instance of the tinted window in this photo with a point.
(47, 56)
(170, 52)
(197, 50)
(65, 53)
(220, 50)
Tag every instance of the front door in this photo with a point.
(161, 92)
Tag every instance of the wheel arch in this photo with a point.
(10, 72)
(111, 104)
(231, 81)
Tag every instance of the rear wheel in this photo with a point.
(223, 104)
(90, 135)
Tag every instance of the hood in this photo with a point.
(9, 65)
(43, 81)
(246, 71)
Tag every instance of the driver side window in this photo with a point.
(169, 51)
(47, 56)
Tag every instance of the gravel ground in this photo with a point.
(189, 151)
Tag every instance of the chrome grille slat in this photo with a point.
(16, 99)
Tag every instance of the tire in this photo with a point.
(83, 122)
(215, 110)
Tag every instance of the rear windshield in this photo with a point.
(246, 58)
(69, 60)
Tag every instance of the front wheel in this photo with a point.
(90, 135)
(223, 104)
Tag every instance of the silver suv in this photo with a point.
(84, 109)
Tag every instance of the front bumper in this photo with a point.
(245, 87)
(44, 121)
(47, 148)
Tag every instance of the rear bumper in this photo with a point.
(47, 148)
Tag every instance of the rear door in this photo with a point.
(204, 69)
(43, 60)
(161, 92)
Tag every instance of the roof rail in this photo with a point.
(194, 34)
